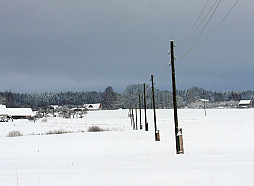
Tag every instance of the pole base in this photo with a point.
(157, 135)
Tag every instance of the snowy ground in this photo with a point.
(219, 150)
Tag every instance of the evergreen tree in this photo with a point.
(109, 98)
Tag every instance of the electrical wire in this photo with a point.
(187, 52)
(163, 68)
(210, 34)
(217, 26)
(205, 17)
(190, 31)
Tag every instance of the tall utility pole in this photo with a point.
(146, 124)
(133, 122)
(178, 136)
(136, 111)
(140, 127)
(157, 135)
(130, 114)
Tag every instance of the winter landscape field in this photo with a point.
(218, 150)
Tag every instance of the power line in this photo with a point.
(201, 31)
(190, 31)
(164, 69)
(205, 16)
(211, 33)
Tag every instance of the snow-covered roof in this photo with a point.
(96, 106)
(54, 106)
(3, 110)
(245, 102)
(2, 107)
(77, 109)
(203, 100)
(20, 112)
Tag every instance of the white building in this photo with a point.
(15, 113)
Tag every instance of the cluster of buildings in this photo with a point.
(226, 104)
(74, 111)
(27, 113)
(86, 107)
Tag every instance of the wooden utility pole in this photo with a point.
(178, 134)
(157, 135)
(133, 122)
(146, 124)
(204, 101)
(136, 111)
(140, 126)
(204, 108)
(130, 115)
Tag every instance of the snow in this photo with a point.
(245, 102)
(203, 100)
(20, 111)
(218, 150)
(3, 110)
(2, 107)
(15, 111)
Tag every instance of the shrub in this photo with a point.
(59, 131)
(95, 129)
(14, 133)
(44, 120)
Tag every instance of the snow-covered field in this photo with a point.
(219, 150)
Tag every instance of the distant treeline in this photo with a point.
(126, 99)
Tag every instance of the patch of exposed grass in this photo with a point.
(51, 132)
(14, 133)
(44, 120)
(95, 129)
(59, 131)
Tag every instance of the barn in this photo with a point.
(20, 113)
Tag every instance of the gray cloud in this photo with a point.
(87, 45)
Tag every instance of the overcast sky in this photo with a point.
(62, 45)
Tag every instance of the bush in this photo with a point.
(95, 129)
(14, 133)
(60, 131)
(44, 120)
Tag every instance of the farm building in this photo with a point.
(245, 104)
(15, 113)
(20, 113)
(91, 107)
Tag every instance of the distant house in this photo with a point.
(54, 107)
(91, 107)
(15, 113)
(20, 113)
(245, 104)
